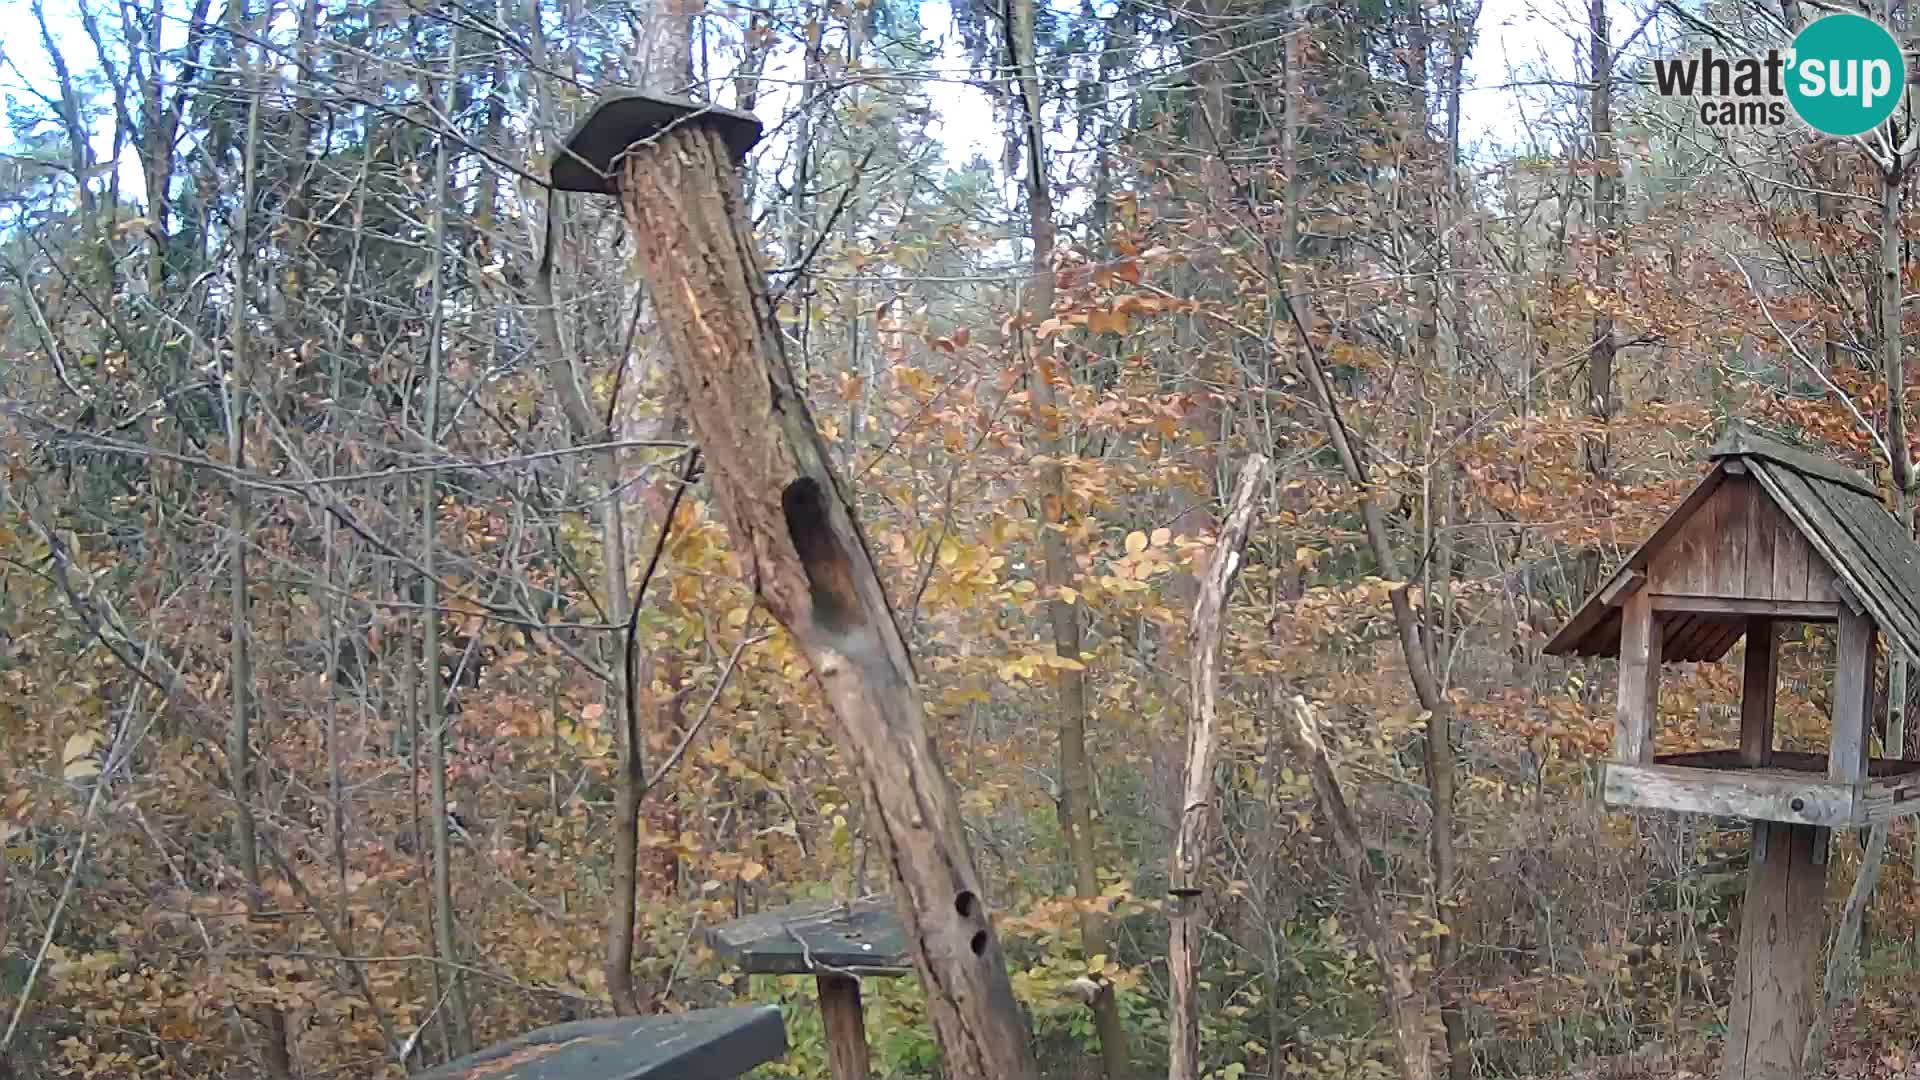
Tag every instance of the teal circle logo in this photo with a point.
(1847, 75)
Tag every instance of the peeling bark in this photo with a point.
(795, 533)
(1206, 636)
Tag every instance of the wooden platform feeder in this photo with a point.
(1771, 535)
(838, 944)
(704, 1044)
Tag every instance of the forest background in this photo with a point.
(328, 503)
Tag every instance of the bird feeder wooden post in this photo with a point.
(672, 164)
(1771, 535)
(838, 944)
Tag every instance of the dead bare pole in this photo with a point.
(1406, 1004)
(793, 528)
(1205, 637)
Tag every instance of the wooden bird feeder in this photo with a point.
(837, 944)
(704, 1044)
(1771, 535)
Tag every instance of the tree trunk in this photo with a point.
(1439, 752)
(795, 530)
(1606, 215)
(1439, 760)
(454, 1013)
(240, 675)
(1406, 1006)
(1205, 635)
(1057, 567)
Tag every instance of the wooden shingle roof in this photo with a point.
(1862, 553)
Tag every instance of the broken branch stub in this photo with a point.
(794, 529)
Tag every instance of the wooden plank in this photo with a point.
(1790, 610)
(1730, 634)
(1857, 530)
(1683, 566)
(1720, 636)
(1673, 635)
(1759, 678)
(864, 937)
(846, 1026)
(1821, 584)
(1788, 762)
(1790, 555)
(1603, 639)
(1741, 443)
(1808, 800)
(1894, 556)
(702, 1044)
(1592, 612)
(1861, 523)
(1782, 929)
(1831, 543)
(1888, 799)
(1852, 699)
(1710, 632)
(1761, 516)
(1725, 568)
(1693, 646)
(1627, 581)
(1639, 694)
(1711, 759)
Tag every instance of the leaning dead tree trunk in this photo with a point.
(1205, 637)
(1406, 1005)
(794, 530)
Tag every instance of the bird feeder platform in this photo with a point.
(590, 160)
(1771, 535)
(1793, 788)
(704, 1044)
(838, 944)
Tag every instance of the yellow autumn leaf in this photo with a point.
(1136, 542)
(81, 769)
(79, 746)
(1111, 322)
(1162, 536)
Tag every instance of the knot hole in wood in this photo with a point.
(836, 606)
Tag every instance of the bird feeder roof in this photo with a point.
(590, 160)
(1796, 504)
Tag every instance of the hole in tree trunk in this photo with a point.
(836, 607)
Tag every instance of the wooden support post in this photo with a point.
(1757, 692)
(845, 1021)
(1782, 929)
(799, 542)
(1852, 698)
(1639, 697)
